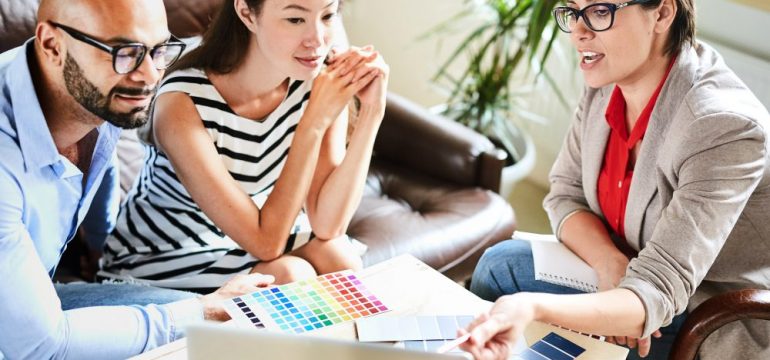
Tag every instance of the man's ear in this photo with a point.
(51, 43)
(666, 14)
(247, 16)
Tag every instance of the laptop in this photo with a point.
(217, 341)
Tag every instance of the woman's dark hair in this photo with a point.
(224, 43)
(683, 27)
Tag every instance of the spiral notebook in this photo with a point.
(556, 264)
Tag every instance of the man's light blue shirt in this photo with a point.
(43, 201)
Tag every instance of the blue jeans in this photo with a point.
(508, 268)
(78, 295)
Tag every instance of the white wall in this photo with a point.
(393, 26)
(743, 27)
(739, 32)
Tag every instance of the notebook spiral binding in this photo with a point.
(568, 282)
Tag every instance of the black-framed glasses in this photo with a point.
(598, 17)
(127, 57)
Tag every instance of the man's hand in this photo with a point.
(237, 286)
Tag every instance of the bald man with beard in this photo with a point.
(91, 69)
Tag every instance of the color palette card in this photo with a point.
(429, 346)
(307, 305)
(401, 328)
(551, 347)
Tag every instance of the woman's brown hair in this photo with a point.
(224, 43)
(683, 28)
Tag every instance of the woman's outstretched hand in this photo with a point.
(491, 333)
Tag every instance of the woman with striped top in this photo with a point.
(247, 153)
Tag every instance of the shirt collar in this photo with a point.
(35, 140)
(615, 113)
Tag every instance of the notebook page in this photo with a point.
(556, 264)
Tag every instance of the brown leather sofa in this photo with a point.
(432, 187)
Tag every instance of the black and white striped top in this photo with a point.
(162, 237)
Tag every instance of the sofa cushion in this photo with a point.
(446, 226)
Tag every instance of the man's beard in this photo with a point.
(88, 96)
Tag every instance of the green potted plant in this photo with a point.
(513, 40)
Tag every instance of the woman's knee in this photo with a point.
(495, 273)
(347, 261)
(505, 256)
(331, 255)
(340, 254)
(288, 269)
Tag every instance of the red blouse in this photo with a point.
(617, 169)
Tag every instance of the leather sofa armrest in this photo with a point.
(431, 144)
(714, 313)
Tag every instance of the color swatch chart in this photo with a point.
(308, 304)
(552, 347)
(408, 328)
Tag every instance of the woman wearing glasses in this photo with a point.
(249, 170)
(660, 187)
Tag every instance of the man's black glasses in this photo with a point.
(598, 17)
(127, 57)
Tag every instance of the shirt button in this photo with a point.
(620, 184)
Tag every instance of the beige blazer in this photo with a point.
(698, 210)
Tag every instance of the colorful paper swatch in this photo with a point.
(405, 328)
(430, 346)
(435, 337)
(552, 347)
(308, 304)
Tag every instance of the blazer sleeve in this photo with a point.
(718, 164)
(566, 196)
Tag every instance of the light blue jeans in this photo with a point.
(78, 295)
(508, 268)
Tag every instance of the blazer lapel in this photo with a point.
(597, 135)
(644, 182)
